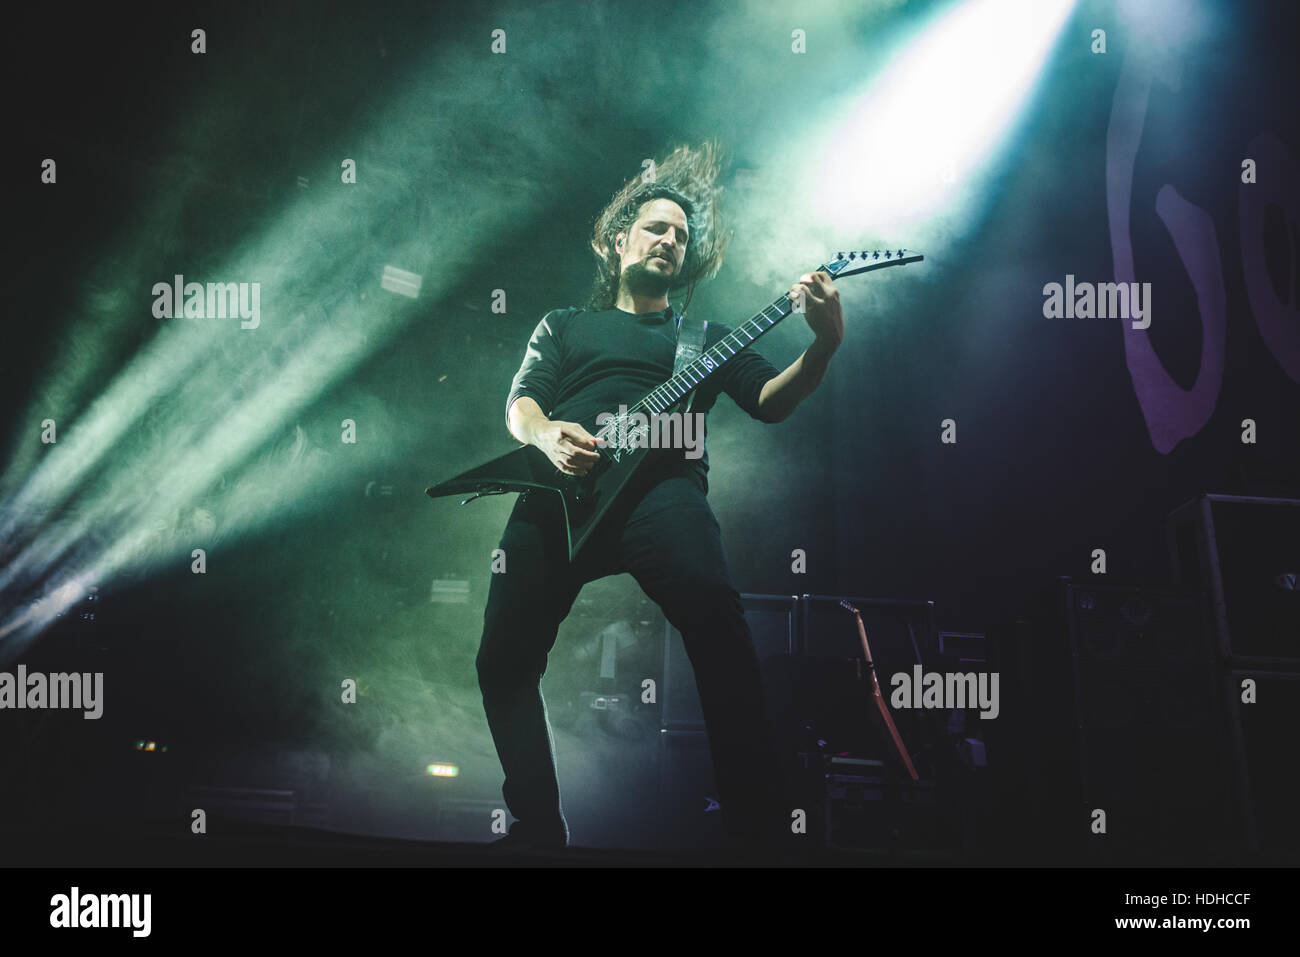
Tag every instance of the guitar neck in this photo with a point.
(665, 396)
(668, 394)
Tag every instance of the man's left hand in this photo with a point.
(821, 306)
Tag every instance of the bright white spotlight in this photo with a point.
(935, 113)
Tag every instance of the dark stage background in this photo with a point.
(478, 175)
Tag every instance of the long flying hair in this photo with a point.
(689, 177)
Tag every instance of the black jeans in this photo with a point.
(663, 532)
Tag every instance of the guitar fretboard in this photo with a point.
(665, 396)
(668, 394)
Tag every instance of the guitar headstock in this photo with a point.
(864, 260)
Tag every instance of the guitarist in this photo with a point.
(651, 238)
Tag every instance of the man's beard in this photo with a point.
(640, 280)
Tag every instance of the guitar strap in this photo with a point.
(690, 346)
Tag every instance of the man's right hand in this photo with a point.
(570, 447)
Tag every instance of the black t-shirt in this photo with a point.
(579, 364)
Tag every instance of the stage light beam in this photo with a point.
(935, 114)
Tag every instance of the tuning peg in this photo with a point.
(853, 256)
(900, 252)
(839, 255)
(877, 256)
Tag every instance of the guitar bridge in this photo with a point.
(485, 490)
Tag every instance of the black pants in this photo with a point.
(664, 534)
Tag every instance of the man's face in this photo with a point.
(653, 250)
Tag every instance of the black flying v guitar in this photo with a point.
(622, 446)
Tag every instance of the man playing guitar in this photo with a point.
(652, 238)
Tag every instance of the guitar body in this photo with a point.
(585, 500)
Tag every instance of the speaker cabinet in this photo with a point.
(1125, 726)
(772, 621)
(1264, 713)
(899, 631)
(1243, 556)
(689, 815)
